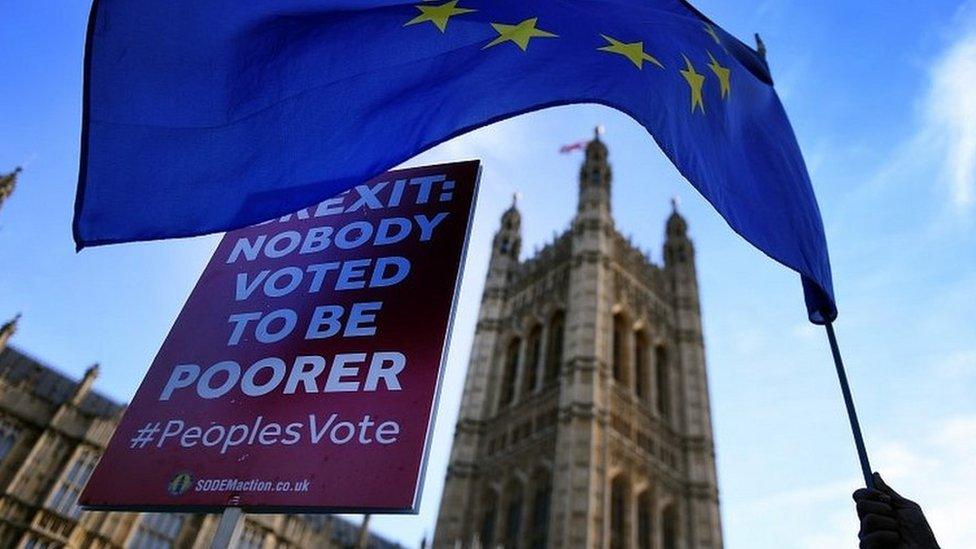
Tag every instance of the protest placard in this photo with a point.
(303, 370)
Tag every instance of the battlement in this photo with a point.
(638, 263)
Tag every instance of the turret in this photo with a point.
(678, 249)
(695, 420)
(461, 501)
(7, 331)
(84, 386)
(594, 180)
(508, 240)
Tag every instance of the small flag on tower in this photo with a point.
(577, 146)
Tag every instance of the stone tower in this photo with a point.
(585, 417)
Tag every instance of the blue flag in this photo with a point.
(209, 115)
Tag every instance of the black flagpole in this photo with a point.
(862, 453)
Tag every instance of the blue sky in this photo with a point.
(881, 96)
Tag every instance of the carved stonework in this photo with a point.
(605, 432)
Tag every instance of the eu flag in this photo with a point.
(209, 115)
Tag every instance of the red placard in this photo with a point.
(303, 370)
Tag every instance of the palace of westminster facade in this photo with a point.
(585, 417)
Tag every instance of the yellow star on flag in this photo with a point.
(438, 15)
(711, 32)
(695, 82)
(519, 34)
(723, 74)
(631, 50)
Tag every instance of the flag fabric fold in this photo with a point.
(208, 115)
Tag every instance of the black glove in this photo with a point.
(889, 521)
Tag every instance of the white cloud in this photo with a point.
(959, 367)
(950, 116)
(939, 473)
(807, 332)
(936, 470)
(944, 139)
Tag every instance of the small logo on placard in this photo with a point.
(180, 484)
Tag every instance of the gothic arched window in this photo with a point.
(508, 375)
(669, 528)
(619, 349)
(595, 174)
(513, 514)
(644, 520)
(640, 364)
(542, 494)
(618, 513)
(554, 350)
(533, 353)
(8, 438)
(663, 382)
(488, 520)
